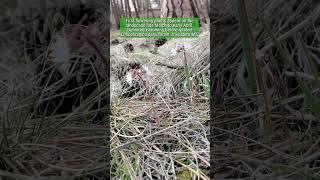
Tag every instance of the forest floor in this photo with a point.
(266, 66)
(265, 117)
(162, 138)
(157, 138)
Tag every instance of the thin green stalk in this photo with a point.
(312, 101)
(247, 45)
(187, 73)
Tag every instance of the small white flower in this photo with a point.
(173, 52)
(179, 48)
(139, 75)
(60, 54)
(129, 78)
(145, 70)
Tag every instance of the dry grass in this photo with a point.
(158, 137)
(152, 139)
(65, 146)
(243, 144)
(162, 138)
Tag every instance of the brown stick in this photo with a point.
(169, 66)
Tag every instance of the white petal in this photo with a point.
(173, 52)
(60, 54)
(129, 78)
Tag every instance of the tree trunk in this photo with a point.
(166, 9)
(138, 5)
(123, 10)
(146, 8)
(115, 13)
(136, 10)
(185, 8)
(202, 10)
(206, 11)
(128, 8)
(178, 8)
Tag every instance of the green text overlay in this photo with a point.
(159, 27)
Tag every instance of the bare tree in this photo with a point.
(202, 8)
(123, 10)
(185, 8)
(138, 5)
(115, 13)
(135, 6)
(128, 8)
(177, 8)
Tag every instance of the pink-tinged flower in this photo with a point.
(173, 52)
(136, 75)
(179, 48)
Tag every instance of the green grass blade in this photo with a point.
(206, 86)
(311, 64)
(247, 45)
(283, 53)
(187, 74)
(310, 100)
